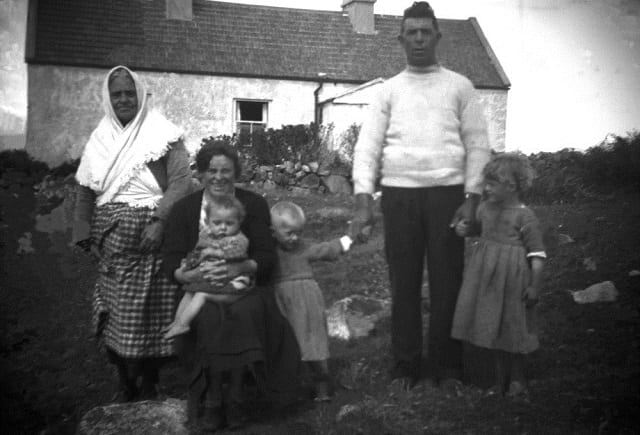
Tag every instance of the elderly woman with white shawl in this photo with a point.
(133, 169)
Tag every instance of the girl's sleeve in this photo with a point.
(324, 250)
(257, 228)
(532, 235)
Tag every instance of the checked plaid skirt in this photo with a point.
(137, 298)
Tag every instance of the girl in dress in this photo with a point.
(297, 293)
(502, 279)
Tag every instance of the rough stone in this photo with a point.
(313, 166)
(356, 316)
(149, 417)
(337, 184)
(601, 292)
(334, 212)
(564, 239)
(310, 181)
(289, 167)
(269, 185)
(299, 191)
(280, 179)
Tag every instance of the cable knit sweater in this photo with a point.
(425, 128)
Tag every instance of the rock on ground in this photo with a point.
(149, 417)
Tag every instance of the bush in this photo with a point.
(615, 164)
(21, 161)
(297, 143)
(568, 175)
(558, 177)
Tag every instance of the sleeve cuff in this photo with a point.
(346, 242)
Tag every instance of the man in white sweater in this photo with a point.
(425, 140)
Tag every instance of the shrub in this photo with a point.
(21, 161)
(615, 164)
(298, 143)
(568, 175)
(558, 176)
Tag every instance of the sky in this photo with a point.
(574, 65)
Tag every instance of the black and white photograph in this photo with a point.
(325, 217)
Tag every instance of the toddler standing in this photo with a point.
(297, 293)
(219, 239)
(502, 280)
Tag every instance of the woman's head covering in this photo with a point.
(114, 154)
(141, 93)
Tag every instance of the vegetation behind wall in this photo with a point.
(293, 152)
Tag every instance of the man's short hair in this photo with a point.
(419, 10)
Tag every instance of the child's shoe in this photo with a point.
(322, 391)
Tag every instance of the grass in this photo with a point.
(584, 377)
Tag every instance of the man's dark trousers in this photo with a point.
(416, 222)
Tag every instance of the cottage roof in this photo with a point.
(242, 40)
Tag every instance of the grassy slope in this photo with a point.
(585, 376)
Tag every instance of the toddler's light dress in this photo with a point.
(490, 311)
(300, 299)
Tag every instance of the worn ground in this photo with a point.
(585, 377)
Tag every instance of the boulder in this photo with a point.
(313, 166)
(311, 181)
(337, 184)
(289, 167)
(356, 316)
(299, 191)
(280, 179)
(149, 417)
(601, 292)
(269, 185)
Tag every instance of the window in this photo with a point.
(250, 116)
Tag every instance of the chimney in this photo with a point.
(179, 9)
(361, 15)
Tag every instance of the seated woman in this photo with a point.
(231, 332)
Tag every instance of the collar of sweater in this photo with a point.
(423, 69)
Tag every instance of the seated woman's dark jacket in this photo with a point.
(250, 330)
(182, 229)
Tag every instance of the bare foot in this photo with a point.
(175, 330)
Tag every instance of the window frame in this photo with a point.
(237, 121)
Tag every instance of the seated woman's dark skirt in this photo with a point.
(250, 333)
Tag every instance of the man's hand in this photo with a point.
(463, 228)
(360, 227)
(466, 212)
(151, 237)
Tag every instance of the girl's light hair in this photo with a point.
(510, 166)
(289, 211)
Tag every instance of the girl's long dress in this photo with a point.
(490, 312)
(300, 299)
